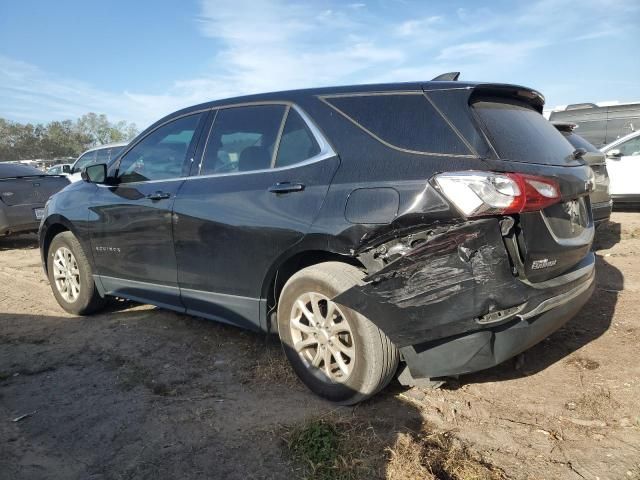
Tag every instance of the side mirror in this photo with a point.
(96, 173)
(66, 168)
(614, 153)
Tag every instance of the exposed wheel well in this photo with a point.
(295, 264)
(52, 231)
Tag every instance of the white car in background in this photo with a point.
(101, 154)
(60, 169)
(623, 166)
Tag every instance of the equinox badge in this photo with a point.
(544, 263)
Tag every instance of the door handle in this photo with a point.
(286, 187)
(158, 196)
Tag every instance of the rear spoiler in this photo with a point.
(524, 94)
(565, 126)
(447, 77)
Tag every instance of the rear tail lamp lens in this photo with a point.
(490, 193)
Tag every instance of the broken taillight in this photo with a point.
(477, 193)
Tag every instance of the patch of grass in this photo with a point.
(270, 366)
(596, 404)
(437, 456)
(335, 448)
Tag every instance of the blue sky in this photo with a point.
(137, 61)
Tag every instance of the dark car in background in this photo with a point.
(600, 125)
(24, 191)
(445, 225)
(601, 202)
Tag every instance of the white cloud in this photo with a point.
(480, 51)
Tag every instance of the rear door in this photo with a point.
(624, 170)
(131, 227)
(263, 175)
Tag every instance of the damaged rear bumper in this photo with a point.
(489, 347)
(452, 304)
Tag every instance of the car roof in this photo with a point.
(106, 145)
(17, 170)
(294, 95)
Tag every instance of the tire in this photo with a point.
(369, 359)
(86, 299)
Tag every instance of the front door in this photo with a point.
(624, 169)
(261, 182)
(131, 229)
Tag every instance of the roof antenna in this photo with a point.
(447, 77)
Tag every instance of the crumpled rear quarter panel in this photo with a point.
(440, 287)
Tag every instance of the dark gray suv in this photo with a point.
(443, 226)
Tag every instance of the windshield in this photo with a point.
(520, 133)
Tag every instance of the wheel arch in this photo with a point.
(54, 225)
(286, 267)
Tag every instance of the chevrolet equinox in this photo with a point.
(423, 229)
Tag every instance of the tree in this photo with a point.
(102, 131)
(64, 138)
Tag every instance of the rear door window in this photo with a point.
(520, 133)
(242, 139)
(297, 142)
(406, 121)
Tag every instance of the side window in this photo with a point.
(161, 154)
(403, 121)
(630, 147)
(114, 152)
(102, 155)
(297, 142)
(85, 160)
(242, 139)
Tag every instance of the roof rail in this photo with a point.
(447, 77)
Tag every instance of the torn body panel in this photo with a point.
(428, 288)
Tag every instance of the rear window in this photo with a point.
(402, 121)
(520, 133)
(578, 142)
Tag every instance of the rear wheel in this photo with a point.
(338, 353)
(71, 276)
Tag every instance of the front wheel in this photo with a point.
(71, 276)
(337, 352)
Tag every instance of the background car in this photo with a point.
(600, 199)
(600, 125)
(101, 154)
(623, 165)
(24, 191)
(60, 169)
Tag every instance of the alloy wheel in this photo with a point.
(66, 274)
(322, 337)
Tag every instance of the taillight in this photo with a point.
(490, 193)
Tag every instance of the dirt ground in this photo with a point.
(139, 392)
